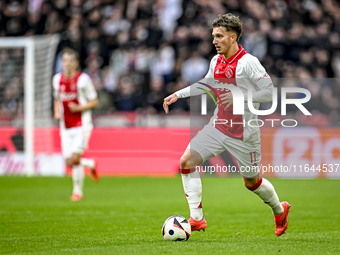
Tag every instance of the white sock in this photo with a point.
(78, 179)
(268, 195)
(87, 162)
(193, 190)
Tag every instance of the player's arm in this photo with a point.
(56, 106)
(265, 94)
(56, 109)
(80, 108)
(194, 89)
(260, 78)
(90, 93)
(262, 81)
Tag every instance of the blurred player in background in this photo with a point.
(75, 97)
(235, 66)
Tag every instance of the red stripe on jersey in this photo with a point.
(225, 72)
(68, 92)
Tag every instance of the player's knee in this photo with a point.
(69, 162)
(76, 161)
(190, 159)
(185, 161)
(76, 158)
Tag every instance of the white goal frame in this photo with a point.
(29, 71)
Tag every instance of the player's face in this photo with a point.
(223, 39)
(69, 63)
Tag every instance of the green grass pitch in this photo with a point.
(125, 216)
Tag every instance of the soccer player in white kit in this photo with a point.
(232, 65)
(74, 98)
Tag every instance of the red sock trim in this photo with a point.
(200, 205)
(256, 185)
(188, 171)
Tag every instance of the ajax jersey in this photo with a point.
(78, 89)
(246, 72)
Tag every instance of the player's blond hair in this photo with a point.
(70, 51)
(230, 22)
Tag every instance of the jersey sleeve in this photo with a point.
(90, 91)
(260, 78)
(195, 89)
(55, 84)
(210, 74)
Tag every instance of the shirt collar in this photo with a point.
(233, 57)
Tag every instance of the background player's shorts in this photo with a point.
(210, 142)
(74, 140)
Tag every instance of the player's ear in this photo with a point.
(233, 37)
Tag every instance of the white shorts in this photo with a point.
(210, 142)
(74, 140)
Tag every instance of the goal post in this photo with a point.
(37, 70)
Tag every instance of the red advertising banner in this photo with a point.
(301, 152)
(286, 152)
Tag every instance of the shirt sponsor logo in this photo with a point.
(68, 96)
(223, 89)
(262, 77)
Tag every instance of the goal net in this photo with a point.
(26, 120)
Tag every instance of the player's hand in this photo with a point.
(227, 100)
(168, 101)
(75, 107)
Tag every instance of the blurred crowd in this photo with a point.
(139, 51)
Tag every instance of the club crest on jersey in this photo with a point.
(73, 86)
(62, 87)
(229, 73)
